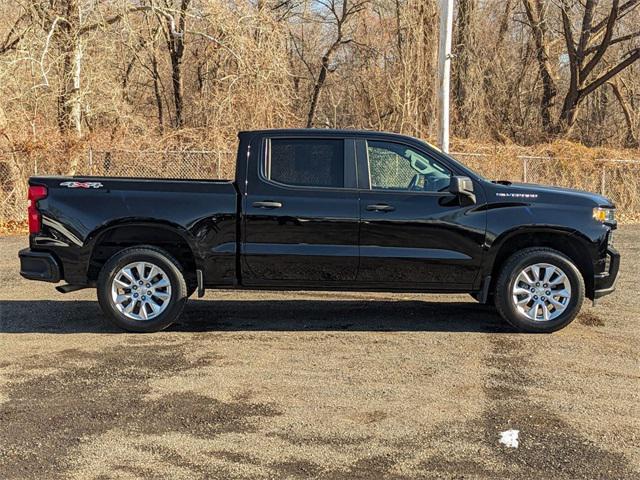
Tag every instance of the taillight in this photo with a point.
(35, 219)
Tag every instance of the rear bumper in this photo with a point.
(39, 266)
(605, 283)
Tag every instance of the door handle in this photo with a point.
(267, 204)
(380, 207)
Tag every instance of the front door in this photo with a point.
(414, 233)
(301, 216)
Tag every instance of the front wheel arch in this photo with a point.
(566, 242)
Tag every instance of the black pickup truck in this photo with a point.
(323, 210)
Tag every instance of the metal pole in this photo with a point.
(603, 179)
(444, 67)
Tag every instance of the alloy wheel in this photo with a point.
(541, 292)
(141, 291)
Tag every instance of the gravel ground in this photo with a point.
(316, 385)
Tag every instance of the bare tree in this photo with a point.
(587, 53)
(65, 24)
(62, 22)
(71, 42)
(631, 140)
(586, 49)
(464, 46)
(15, 34)
(155, 77)
(536, 14)
(336, 17)
(125, 71)
(174, 32)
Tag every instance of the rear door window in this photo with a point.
(306, 162)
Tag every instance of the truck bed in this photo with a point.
(81, 210)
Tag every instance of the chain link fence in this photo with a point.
(17, 167)
(184, 164)
(616, 179)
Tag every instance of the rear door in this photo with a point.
(301, 217)
(414, 233)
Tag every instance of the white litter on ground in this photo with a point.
(510, 438)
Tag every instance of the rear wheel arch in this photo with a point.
(118, 237)
(565, 242)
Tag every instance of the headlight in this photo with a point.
(604, 215)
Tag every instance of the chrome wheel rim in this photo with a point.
(541, 292)
(141, 291)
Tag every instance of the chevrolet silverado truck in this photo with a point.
(323, 210)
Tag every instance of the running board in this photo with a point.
(70, 288)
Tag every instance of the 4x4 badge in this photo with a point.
(81, 184)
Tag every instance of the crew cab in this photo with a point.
(323, 210)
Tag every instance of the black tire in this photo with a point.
(508, 276)
(155, 256)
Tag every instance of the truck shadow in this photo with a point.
(357, 315)
(47, 316)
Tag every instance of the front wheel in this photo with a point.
(539, 290)
(142, 289)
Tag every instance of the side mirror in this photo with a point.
(462, 186)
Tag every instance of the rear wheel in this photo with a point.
(142, 289)
(539, 290)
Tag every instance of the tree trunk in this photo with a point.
(70, 99)
(569, 112)
(462, 62)
(326, 58)
(178, 88)
(492, 71)
(399, 39)
(322, 76)
(156, 88)
(176, 52)
(631, 140)
(537, 22)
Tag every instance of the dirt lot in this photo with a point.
(316, 385)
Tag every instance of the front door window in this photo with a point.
(394, 166)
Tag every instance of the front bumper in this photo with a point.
(39, 266)
(605, 282)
